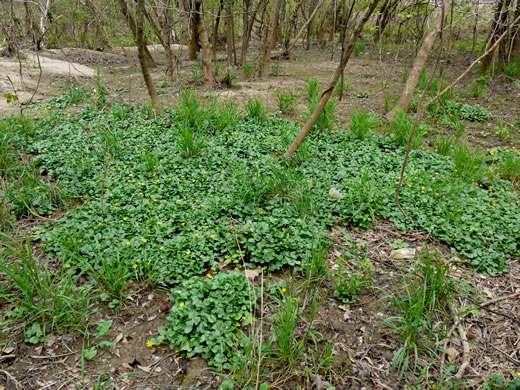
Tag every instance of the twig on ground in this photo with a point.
(465, 344)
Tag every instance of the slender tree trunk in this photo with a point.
(302, 30)
(215, 30)
(131, 24)
(420, 61)
(229, 31)
(271, 37)
(194, 42)
(333, 81)
(206, 50)
(475, 27)
(324, 25)
(515, 30)
(502, 48)
(262, 44)
(142, 59)
(166, 22)
(495, 31)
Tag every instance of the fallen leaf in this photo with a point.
(334, 193)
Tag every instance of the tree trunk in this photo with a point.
(291, 45)
(141, 54)
(495, 31)
(194, 42)
(333, 81)
(515, 30)
(420, 61)
(324, 25)
(271, 37)
(475, 27)
(229, 31)
(310, 26)
(206, 50)
(263, 42)
(215, 30)
(131, 24)
(166, 22)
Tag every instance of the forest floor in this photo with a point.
(363, 349)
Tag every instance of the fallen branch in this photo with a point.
(465, 344)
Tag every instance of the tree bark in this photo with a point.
(333, 81)
(132, 25)
(215, 30)
(497, 28)
(194, 42)
(420, 61)
(141, 54)
(515, 29)
(271, 37)
(229, 31)
(206, 50)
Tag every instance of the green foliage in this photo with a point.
(197, 74)
(183, 206)
(49, 301)
(341, 85)
(72, 94)
(327, 118)
(256, 109)
(228, 79)
(444, 144)
(249, 70)
(101, 92)
(206, 316)
(362, 123)
(359, 47)
(402, 127)
(466, 112)
(498, 382)
(503, 131)
(513, 69)
(286, 101)
(507, 163)
(420, 309)
(479, 86)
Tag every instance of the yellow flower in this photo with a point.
(188, 252)
(178, 201)
(238, 324)
(194, 180)
(125, 219)
(201, 205)
(149, 343)
(219, 182)
(181, 304)
(196, 201)
(161, 248)
(196, 234)
(134, 266)
(209, 276)
(203, 172)
(157, 181)
(144, 240)
(212, 236)
(184, 223)
(128, 243)
(67, 265)
(491, 232)
(436, 194)
(117, 204)
(284, 289)
(175, 166)
(159, 223)
(170, 179)
(155, 173)
(130, 175)
(166, 299)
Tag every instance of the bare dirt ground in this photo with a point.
(363, 350)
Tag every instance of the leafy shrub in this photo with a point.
(466, 112)
(359, 47)
(206, 316)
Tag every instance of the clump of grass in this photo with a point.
(420, 309)
(509, 168)
(513, 69)
(286, 101)
(402, 128)
(37, 294)
(256, 109)
(327, 118)
(470, 162)
(479, 86)
(359, 47)
(362, 123)
(189, 108)
(228, 79)
(444, 144)
(503, 131)
(249, 70)
(197, 74)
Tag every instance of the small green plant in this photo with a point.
(347, 287)
(189, 142)
(95, 342)
(509, 167)
(249, 70)
(504, 131)
(314, 265)
(466, 112)
(470, 162)
(513, 69)
(256, 109)
(402, 127)
(227, 80)
(479, 86)
(444, 144)
(35, 334)
(362, 123)
(359, 47)
(275, 68)
(197, 74)
(206, 316)
(390, 101)
(286, 101)
(101, 92)
(189, 108)
(399, 244)
(216, 68)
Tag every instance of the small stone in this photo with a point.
(403, 254)
(334, 193)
